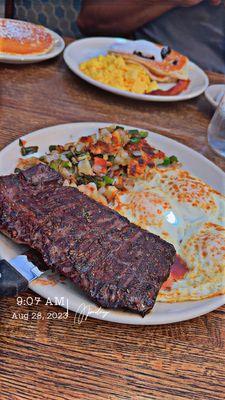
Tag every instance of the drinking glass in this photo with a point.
(216, 129)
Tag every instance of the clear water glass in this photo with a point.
(216, 129)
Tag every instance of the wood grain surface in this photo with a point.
(58, 359)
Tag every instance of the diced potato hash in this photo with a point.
(102, 163)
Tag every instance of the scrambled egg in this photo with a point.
(114, 71)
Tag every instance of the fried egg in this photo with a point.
(203, 250)
(196, 200)
(190, 214)
(152, 210)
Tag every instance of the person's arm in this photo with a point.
(122, 17)
(119, 17)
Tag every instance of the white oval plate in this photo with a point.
(214, 94)
(84, 49)
(163, 313)
(57, 48)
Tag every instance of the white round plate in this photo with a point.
(214, 94)
(57, 48)
(84, 49)
(50, 286)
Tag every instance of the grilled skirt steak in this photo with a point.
(116, 263)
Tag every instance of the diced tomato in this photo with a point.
(177, 89)
(100, 165)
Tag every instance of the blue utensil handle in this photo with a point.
(11, 281)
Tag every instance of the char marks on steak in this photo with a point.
(116, 263)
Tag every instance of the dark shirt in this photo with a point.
(198, 32)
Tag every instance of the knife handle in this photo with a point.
(11, 281)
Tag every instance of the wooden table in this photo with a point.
(55, 359)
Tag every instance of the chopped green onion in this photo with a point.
(135, 140)
(133, 132)
(111, 158)
(54, 165)
(166, 161)
(17, 170)
(100, 184)
(173, 159)
(52, 147)
(169, 160)
(79, 153)
(66, 164)
(137, 133)
(108, 180)
(85, 179)
(69, 155)
(143, 134)
(28, 150)
(119, 127)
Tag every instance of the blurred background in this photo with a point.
(58, 15)
(195, 28)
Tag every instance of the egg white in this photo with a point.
(188, 213)
(197, 201)
(152, 210)
(203, 249)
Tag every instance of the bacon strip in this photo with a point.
(180, 86)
